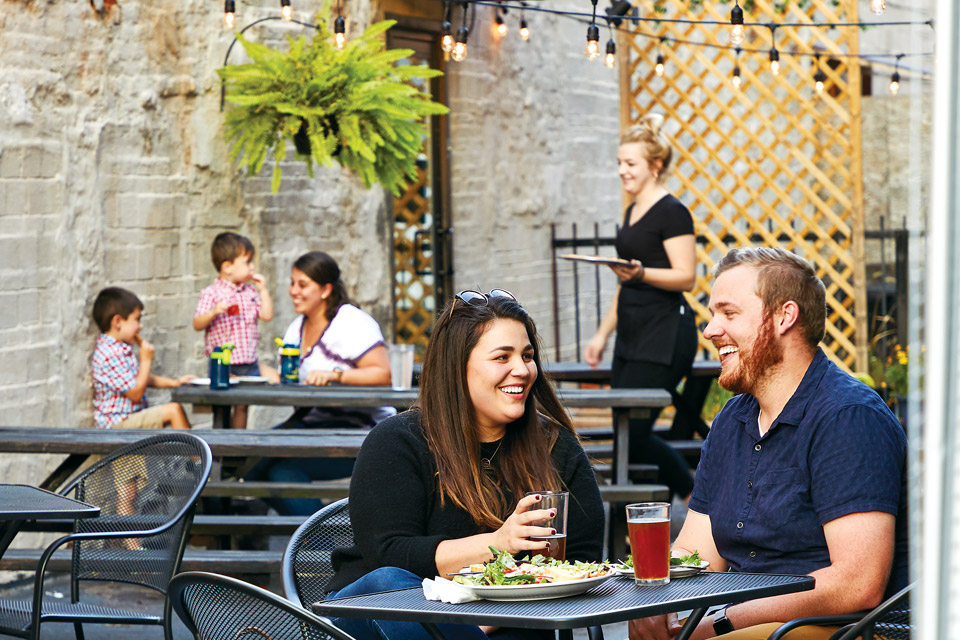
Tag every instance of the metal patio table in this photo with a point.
(21, 502)
(616, 600)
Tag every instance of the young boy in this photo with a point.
(228, 309)
(120, 381)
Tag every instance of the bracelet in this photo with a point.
(639, 276)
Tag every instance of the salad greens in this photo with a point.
(504, 570)
(692, 560)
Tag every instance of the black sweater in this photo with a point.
(396, 513)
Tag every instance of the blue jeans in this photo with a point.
(301, 470)
(390, 578)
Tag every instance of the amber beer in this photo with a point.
(648, 524)
(557, 543)
(557, 548)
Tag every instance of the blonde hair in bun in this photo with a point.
(656, 146)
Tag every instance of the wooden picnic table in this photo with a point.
(625, 404)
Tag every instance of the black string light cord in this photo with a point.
(585, 18)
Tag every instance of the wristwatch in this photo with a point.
(722, 624)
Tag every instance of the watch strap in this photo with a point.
(722, 624)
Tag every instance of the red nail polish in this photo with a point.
(537, 497)
(553, 514)
(553, 532)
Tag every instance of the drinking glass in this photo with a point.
(557, 543)
(401, 366)
(648, 524)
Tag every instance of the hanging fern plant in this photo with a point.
(353, 105)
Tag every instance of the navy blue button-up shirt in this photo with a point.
(835, 449)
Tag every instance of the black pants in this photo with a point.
(645, 447)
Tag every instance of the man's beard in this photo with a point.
(755, 362)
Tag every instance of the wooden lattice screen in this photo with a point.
(772, 163)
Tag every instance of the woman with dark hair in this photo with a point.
(436, 486)
(339, 344)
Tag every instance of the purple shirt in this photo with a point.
(835, 449)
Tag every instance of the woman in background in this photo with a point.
(656, 329)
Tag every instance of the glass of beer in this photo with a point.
(649, 526)
(557, 543)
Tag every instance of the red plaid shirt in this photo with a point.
(114, 369)
(238, 325)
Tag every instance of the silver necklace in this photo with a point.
(487, 463)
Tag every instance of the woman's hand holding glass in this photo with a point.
(515, 533)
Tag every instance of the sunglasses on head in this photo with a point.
(478, 299)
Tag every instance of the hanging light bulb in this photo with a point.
(659, 67)
(736, 77)
(229, 14)
(592, 49)
(339, 32)
(878, 6)
(286, 10)
(611, 58)
(524, 29)
(460, 47)
(446, 37)
(500, 26)
(819, 78)
(774, 61)
(736, 22)
(895, 83)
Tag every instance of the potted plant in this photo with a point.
(353, 105)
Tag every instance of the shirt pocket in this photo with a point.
(782, 499)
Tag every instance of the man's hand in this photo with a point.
(184, 379)
(655, 627)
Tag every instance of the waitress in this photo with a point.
(339, 344)
(656, 329)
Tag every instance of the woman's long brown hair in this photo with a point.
(448, 418)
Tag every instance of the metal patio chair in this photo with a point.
(147, 493)
(890, 620)
(216, 607)
(307, 565)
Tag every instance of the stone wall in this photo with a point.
(113, 171)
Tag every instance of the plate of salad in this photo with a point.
(680, 566)
(539, 578)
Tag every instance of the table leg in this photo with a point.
(691, 623)
(621, 446)
(8, 531)
(221, 416)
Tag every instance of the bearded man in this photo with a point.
(803, 472)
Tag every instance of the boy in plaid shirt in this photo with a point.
(120, 379)
(228, 310)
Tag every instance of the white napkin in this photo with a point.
(446, 591)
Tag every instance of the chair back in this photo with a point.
(889, 621)
(307, 560)
(150, 489)
(216, 607)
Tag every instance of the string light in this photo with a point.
(339, 32)
(446, 37)
(736, 22)
(524, 30)
(592, 49)
(736, 71)
(775, 61)
(229, 14)
(611, 58)
(286, 10)
(459, 52)
(660, 59)
(895, 78)
(819, 77)
(878, 6)
(500, 26)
